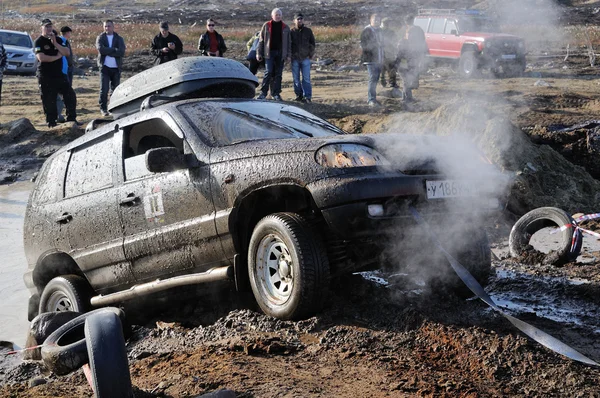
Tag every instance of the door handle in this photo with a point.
(130, 200)
(64, 219)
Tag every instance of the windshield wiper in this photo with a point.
(312, 120)
(269, 122)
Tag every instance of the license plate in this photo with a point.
(509, 56)
(11, 67)
(449, 189)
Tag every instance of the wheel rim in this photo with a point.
(274, 271)
(59, 302)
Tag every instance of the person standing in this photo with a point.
(51, 77)
(303, 50)
(2, 67)
(275, 47)
(252, 45)
(65, 35)
(211, 43)
(165, 46)
(413, 48)
(390, 52)
(111, 50)
(372, 56)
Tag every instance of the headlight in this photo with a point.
(30, 56)
(349, 155)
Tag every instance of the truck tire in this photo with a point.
(287, 266)
(540, 218)
(66, 293)
(468, 66)
(65, 349)
(107, 356)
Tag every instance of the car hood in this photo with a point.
(488, 35)
(19, 50)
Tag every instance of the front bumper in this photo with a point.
(25, 67)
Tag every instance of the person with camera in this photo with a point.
(165, 46)
(52, 79)
(211, 43)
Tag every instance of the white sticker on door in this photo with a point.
(153, 205)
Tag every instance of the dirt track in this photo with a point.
(371, 339)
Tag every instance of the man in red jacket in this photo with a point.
(275, 46)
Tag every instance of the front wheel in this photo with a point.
(66, 293)
(468, 66)
(287, 266)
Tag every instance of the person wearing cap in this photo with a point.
(52, 78)
(275, 46)
(211, 43)
(111, 50)
(65, 35)
(165, 46)
(303, 49)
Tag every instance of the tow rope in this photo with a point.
(536, 334)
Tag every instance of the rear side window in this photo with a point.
(47, 183)
(437, 25)
(90, 168)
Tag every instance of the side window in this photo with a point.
(437, 25)
(450, 26)
(141, 137)
(90, 167)
(51, 175)
(422, 23)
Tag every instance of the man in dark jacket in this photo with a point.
(165, 46)
(275, 46)
(2, 66)
(412, 48)
(51, 73)
(390, 53)
(111, 50)
(211, 43)
(65, 33)
(372, 56)
(303, 49)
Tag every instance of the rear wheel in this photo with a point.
(66, 293)
(468, 66)
(287, 266)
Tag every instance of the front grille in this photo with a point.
(502, 46)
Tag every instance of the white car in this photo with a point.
(19, 52)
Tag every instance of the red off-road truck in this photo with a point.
(472, 41)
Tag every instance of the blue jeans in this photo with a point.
(374, 73)
(108, 77)
(59, 99)
(273, 71)
(302, 88)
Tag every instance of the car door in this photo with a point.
(168, 218)
(452, 41)
(90, 213)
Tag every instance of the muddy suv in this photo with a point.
(260, 193)
(470, 40)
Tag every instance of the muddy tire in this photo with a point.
(66, 293)
(287, 266)
(468, 66)
(65, 350)
(540, 218)
(107, 356)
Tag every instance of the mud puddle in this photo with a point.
(13, 294)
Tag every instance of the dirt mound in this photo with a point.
(541, 176)
(23, 148)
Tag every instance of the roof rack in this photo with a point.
(449, 11)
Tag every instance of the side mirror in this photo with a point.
(454, 32)
(159, 160)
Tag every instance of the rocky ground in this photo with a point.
(385, 333)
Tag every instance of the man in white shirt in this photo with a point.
(111, 49)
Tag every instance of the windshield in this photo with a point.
(251, 121)
(477, 24)
(15, 39)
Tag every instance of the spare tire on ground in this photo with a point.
(540, 218)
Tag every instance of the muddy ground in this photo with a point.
(380, 334)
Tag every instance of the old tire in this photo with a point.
(66, 293)
(287, 266)
(540, 218)
(65, 350)
(468, 66)
(107, 356)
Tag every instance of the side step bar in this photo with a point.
(212, 275)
